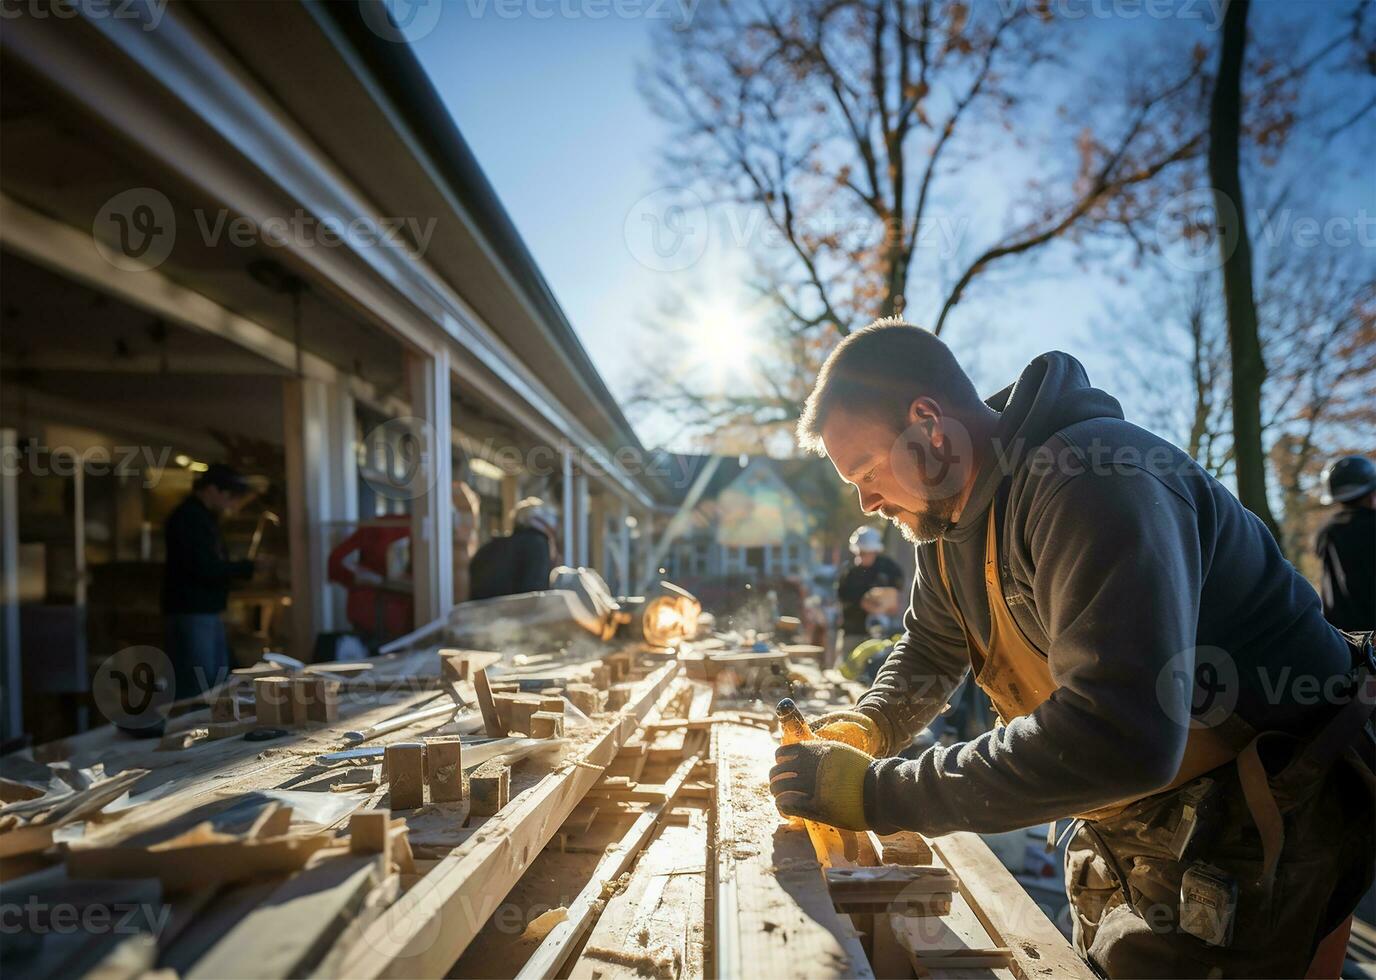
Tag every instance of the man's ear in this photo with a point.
(924, 414)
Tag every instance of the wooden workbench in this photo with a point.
(651, 848)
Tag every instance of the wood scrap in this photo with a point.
(489, 788)
(26, 840)
(225, 708)
(467, 886)
(903, 847)
(198, 857)
(547, 724)
(444, 768)
(272, 702)
(483, 691)
(405, 771)
(369, 832)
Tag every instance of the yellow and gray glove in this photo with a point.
(822, 781)
(853, 728)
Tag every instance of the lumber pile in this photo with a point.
(619, 806)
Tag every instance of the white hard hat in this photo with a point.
(866, 538)
(534, 512)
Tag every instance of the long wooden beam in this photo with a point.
(773, 914)
(1006, 911)
(427, 929)
(545, 962)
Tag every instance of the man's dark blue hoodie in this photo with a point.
(1128, 565)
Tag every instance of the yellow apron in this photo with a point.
(1017, 678)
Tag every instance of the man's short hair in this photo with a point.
(878, 371)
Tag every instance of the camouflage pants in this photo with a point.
(1124, 880)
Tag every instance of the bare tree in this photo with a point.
(840, 122)
(842, 130)
(1171, 353)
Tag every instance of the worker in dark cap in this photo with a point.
(522, 560)
(1347, 545)
(197, 577)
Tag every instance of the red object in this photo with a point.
(1328, 958)
(377, 612)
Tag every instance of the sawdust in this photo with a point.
(616, 886)
(539, 927)
(657, 963)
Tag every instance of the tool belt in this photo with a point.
(1193, 847)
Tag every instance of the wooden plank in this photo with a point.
(1007, 913)
(230, 906)
(483, 690)
(296, 924)
(938, 941)
(903, 847)
(424, 932)
(669, 744)
(546, 961)
(890, 882)
(654, 927)
(773, 913)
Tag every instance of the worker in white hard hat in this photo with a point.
(867, 589)
(522, 560)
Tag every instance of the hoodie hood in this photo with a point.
(1052, 393)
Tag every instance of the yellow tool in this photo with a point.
(792, 725)
(826, 841)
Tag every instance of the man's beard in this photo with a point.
(928, 526)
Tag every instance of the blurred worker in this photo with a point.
(1347, 545)
(522, 560)
(374, 565)
(1137, 630)
(197, 578)
(869, 569)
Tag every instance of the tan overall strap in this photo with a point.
(1261, 804)
(1016, 676)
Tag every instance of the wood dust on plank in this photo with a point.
(665, 963)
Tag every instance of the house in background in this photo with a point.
(747, 521)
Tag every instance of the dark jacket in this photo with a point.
(856, 580)
(198, 573)
(1347, 545)
(1127, 565)
(517, 563)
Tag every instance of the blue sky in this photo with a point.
(551, 107)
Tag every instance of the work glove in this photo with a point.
(822, 781)
(853, 728)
